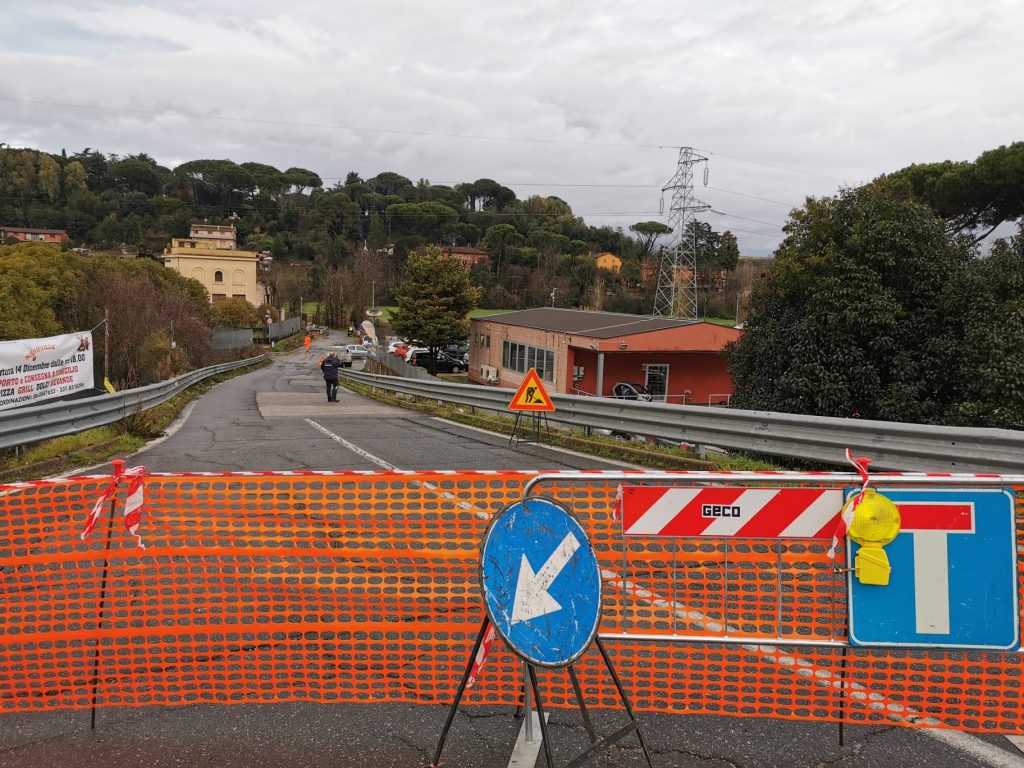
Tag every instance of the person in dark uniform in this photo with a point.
(330, 366)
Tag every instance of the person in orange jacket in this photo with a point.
(307, 341)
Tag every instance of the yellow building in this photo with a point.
(609, 261)
(210, 255)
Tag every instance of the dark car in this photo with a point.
(445, 363)
(628, 390)
(459, 352)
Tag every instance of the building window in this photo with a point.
(237, 295)
(483, 340)
(218, 276)
(522, 357)
(219, 296)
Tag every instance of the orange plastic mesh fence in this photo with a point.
(363, 587)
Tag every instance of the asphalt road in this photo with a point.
(277, 418)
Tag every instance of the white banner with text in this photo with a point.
(32, 370)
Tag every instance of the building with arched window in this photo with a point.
(211, 256)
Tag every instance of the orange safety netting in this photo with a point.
(363, 587)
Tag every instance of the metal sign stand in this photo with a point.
(598, 743)
(537, 416)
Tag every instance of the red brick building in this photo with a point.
(29, 234)
(587, 353)
(467, 256)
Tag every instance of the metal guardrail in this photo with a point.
(891, 445)
(388, 364)
(42, 422)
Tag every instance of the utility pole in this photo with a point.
(677, 280)
(106, 345)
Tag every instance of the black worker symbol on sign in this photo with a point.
(530, 391)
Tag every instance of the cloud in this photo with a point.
(787, 99)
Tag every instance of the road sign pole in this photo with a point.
(540, 715)
(527, 703)
(118, 465)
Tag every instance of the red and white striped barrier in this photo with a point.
(767, 513)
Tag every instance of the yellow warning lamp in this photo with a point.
(876, 522)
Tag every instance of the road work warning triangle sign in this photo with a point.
(531, 395)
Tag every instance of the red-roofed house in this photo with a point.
(575, 352)
(30, 234)
(467, 256)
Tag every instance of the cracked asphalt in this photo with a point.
(262, 421)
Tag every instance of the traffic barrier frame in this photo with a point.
(260, 587)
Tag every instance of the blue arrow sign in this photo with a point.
(541, 582)
(954, 574)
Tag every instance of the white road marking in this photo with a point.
(525, 753)
(463, 505)
(555, 448)
(1017, 741)
(353, 447)
(977, 748)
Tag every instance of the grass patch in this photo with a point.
(94, 446)
(285, 345)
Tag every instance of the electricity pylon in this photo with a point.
(677, 280)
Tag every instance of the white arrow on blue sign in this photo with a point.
(541, 582)
(954, 574)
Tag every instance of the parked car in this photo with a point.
(459, 352)
(628, 390)
(444, 363)
(343, 355)
(356, 350)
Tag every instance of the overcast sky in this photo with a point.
(586, 100)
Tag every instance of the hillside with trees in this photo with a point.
(346, 238)
(45, 292)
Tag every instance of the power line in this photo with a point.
(754, 197)
(776, 167)
(759, 234)
(756, 221)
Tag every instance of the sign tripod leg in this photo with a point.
(458, 694)
(578, 689)
(597, 743)
(515, 427)
(635, 724)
